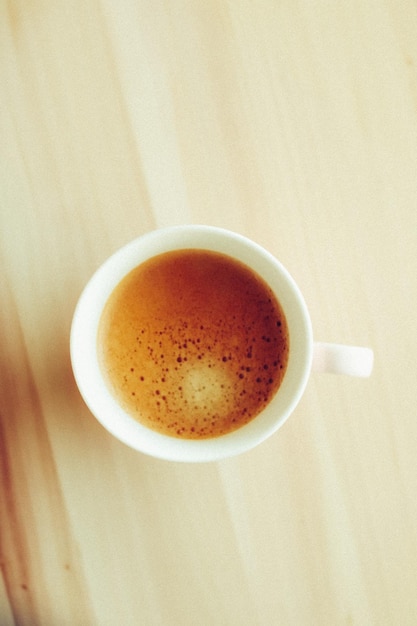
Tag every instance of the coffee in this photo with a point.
(193, 344)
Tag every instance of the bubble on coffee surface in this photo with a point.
(204, 363)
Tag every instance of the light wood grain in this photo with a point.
(294, 123)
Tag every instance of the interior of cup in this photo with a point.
(102, 403)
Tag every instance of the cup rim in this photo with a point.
(83, 343)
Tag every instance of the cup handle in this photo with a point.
(335, 358)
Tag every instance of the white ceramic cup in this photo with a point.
(304, 354)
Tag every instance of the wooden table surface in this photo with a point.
(294, 123)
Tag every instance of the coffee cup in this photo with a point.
(193, 343)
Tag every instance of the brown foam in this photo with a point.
(193, 344)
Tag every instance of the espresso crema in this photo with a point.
(193, 344)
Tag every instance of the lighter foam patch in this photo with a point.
(206, 386)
